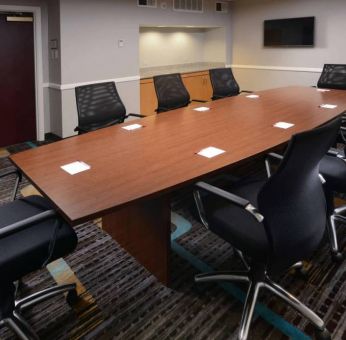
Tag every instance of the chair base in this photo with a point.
(331, 229)
(19, 325)
(258, 279)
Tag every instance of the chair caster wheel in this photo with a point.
(337, 257)
(72, 297)
(323, 334)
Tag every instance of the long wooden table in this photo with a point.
(133, 172)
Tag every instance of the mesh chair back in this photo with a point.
(333, 76)
(99, 105)
(223, 83)
(171, 92)
(293, 200)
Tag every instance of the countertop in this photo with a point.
(149, 72)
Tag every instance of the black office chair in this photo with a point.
(99, 105)
(286, 228)
(333, 170)
(333, 76)
(223, 83)
(31, 236)
(171, 92)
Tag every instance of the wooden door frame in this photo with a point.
(39, 101)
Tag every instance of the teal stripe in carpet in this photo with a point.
(183, 226)
(31, 144)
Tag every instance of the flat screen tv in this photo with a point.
(290, 32)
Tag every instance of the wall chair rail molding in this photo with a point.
(278, 68)
(71, 86)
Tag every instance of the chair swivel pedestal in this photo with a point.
(337, 215)
(333, 170)
(257, 279)
(31, 236)
(12, 315)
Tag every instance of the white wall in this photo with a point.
(248, 50)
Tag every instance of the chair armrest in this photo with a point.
(333, 152)
(223, 193)
(280, 157)
(134, 115)
(343, 131)
(23, 224)
(215, 97)
(79, 129)
(275, 155)
(271, 155)
(162, 109)
(18, 180)
(234, 199)
(199, 101)
(12, 172)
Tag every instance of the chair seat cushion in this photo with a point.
(27, 250)
(333, 169)
(237, 226)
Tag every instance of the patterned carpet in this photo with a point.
(121, 300)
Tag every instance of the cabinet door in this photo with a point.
(208, 90)
(148, 97)
(198, 84)
(194, 85)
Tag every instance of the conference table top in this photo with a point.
(126, 166)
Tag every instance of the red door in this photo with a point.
(17, 82)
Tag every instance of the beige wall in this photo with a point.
(215, 49)
(248, 50)
(172, 46)
(54, 95)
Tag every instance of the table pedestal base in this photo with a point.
(143, 230)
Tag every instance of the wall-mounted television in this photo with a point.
(292, 32)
